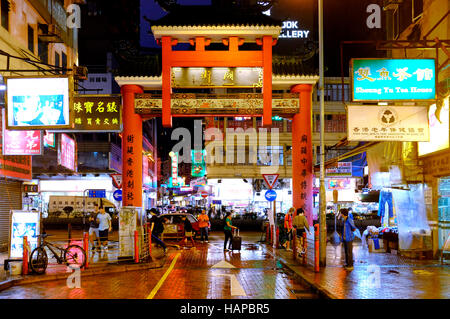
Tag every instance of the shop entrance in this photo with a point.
(443, 210)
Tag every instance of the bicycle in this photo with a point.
(72, 255)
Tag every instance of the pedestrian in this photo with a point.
(158, 228)
(347, 237)
(93, 228)
(188, 233)
(301, 224)
(288, 227)
(203, 224)
(228, 227)
(104, 226)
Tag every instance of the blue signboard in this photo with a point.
(271, 195)
(97, 193)
(393, 79)
(118, 195)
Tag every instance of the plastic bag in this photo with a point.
(357, 233)
(335, 239)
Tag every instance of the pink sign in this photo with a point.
(66, 155)
(49, 139)
(22, 143)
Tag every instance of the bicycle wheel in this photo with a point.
(74, 255)
(38, 260)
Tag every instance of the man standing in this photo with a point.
(104, 225)
(93, 228)
(300, 223)
(347, 237)
(203, 224)
(288, 227)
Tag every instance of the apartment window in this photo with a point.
(57, 59)
(63, 61)
(31, 38)
(43, 51)
(417, 9)
(5, 14)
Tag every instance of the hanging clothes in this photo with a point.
(385, 197)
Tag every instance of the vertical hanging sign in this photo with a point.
(128, 166)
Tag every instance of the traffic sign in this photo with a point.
(117, 180)
(270, 179)
(204, 194)
(118, 195)
(271, 195)
(97, 193)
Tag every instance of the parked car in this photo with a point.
(174, 225)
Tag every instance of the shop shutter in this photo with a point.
(10, 198)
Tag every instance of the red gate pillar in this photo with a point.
(302, 168)
(131, 149)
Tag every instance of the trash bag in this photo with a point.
(335, 239)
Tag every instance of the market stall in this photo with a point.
(404, 226)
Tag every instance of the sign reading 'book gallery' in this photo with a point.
(393, 79)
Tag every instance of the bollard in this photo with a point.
(305, 247)
(25, 256)
(86, 249)
(69, 233)
(294, 243)
(149, 232)
(136, 247)
(316, 247)
(277, 242)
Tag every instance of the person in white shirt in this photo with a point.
(104, 221)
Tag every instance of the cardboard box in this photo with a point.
(372, 244)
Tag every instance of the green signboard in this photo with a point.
(198, 167)
(393, 79)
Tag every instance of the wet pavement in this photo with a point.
(256, 272)
(375, 276)
(203, 272)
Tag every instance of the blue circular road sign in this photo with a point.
(271, 195)
(118, 195)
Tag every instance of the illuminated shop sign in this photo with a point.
(67, 153)
(388, 123)
(439, 130)
(38, 103)
(292, 30)
(393, 79)
(97, 113)
(342, 169)
(50, 140)
(174, 168)
(22, 142)
(198, 167)
(23, 223)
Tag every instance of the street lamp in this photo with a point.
(322, 195)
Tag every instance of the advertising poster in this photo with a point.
(21, 142)
(439, 130)
(50, 140)
(387, 123)
(23, 223)
(38, 103)
(127, 225)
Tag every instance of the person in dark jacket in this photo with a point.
(347, 237)
(188, 231)
(158, 228)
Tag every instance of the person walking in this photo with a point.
(104, 226)
(187, 231)
(227, 229)
(158, 228)
(288, 220)
(203, 224)
(94, 235)
(300, 223)
(347, 237)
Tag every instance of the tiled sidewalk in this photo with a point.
(375, 276)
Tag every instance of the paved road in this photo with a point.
(203, 272)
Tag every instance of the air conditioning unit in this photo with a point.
(50, 33)
(80, 72)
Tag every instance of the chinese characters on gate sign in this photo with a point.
(393, 79)
(304, 162)
(129, 166)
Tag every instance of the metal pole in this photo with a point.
(274, 234)
(322, 195)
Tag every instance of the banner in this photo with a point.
(388, 123)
